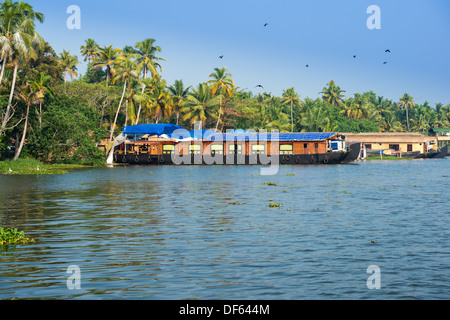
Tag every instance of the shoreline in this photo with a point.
(35, 167)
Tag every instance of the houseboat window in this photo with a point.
(286, 149)
(235, 149)
(168, 148)
(410, 147)
(195, 149)
(216, 149)
(368, 146)
(316, 145)
(396, 147)
(258, 149)
(305, 146)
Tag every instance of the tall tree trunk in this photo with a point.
(220, 111)
(8, 108)
(19, 150)
(292, 119)
(3, 71)
(407, 118)
(142, 91)
(117, 114)
(40, 115)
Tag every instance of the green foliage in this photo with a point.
(69, 133)
(93, 75)
(11, 237)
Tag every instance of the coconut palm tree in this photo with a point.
(332, 94)
(163, 105)
(106, 58)
(18, 42)
(127, 71)
(178, 93)
(315, 119)
(146, 57)
(89, 51)
(41, 85)
(27, 94)
(406, 102)
(200, 105)
(69, 63)
(292, 98)
(222, 84)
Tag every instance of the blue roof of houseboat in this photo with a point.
(152, 129)
(254, 136)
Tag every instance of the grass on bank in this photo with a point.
(32, 166)
(385, 158)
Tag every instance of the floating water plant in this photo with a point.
(270, 183)
(291, 174)
(13, 237)
(235, 203)
(274, 205)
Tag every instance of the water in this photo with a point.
(206, 233)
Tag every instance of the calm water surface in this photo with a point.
(187, 232)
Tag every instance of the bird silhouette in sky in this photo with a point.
(307, 66)
(259, 86)
(384, 62)
(221, 56)
(389, 51)
(266, 24)
(354, 56)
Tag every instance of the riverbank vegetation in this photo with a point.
(33, 166)
(50, 112)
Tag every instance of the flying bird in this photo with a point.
(354, 56)
(260, 86)
(221, 56)
(384, 62)
(388, 51)
(266, 24)
(307, 66)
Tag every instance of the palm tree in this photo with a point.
(127, 71)
(406, 102)
(69, 63)
(315, 119)
(106, 58)
(357, 107)
(292, 98)
(18, 42)
(200, 105)
(89, 51)
(332, 94)
(41, 86)
(27, 94)
(137, 98)
(222, 84)
(146, 57)
(178, 93)
(163, 105)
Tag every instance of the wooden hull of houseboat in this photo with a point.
(303, 159)
(442, 153)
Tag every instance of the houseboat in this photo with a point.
(400, 144)
(167, 144)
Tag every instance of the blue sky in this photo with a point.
(325, 34)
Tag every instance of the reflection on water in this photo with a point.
(198, 232)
